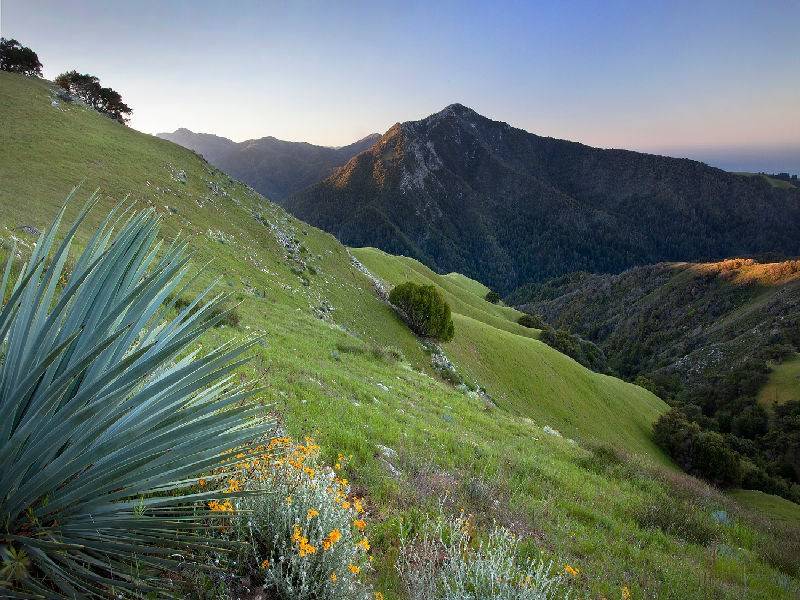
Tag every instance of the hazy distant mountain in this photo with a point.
(464, 193)
(273, 167)
(212, 147)
(785, 159)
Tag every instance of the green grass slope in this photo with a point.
(525, 376)
(47, 150)
(774, 507)
(783, 384)
(621, 521)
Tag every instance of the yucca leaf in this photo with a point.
(7, 271)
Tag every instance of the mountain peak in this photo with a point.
(458, 108)
(455, 110)
(465, 193)
(453, 115)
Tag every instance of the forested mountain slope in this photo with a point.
(717, 340)
(683, 318)
(461, 192)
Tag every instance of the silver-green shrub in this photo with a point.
(306, 534)
(441, 563)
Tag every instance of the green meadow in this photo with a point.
(783, 384)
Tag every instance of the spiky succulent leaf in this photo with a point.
(105, 421)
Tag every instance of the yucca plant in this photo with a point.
(106, 419)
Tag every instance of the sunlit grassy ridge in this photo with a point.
(525, 376)
(47, 150)
(620, 522)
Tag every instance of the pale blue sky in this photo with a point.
(669, 76)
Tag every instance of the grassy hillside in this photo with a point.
(525, 376)
(413, 438)
(465, 295)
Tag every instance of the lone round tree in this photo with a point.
(493, 297)
(427, 312)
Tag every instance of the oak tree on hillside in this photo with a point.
(531, 321)
(16, 58)
(88, 89)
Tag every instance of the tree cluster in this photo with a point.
(88, 89)
(16, 58)
(764, 444)
(719, 431)
(585, 352)
(425, 309)
(699, 452)
(493, 297)
(532, 321)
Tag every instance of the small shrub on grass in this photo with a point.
(585, 352)
(683, 520)
(782, 547)
(351, 347)
(452, 377)
(425, 310)
(609, 460)
(442, 562)
(305, 537)
(388, 354)
(227, 316)
(443, 365)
